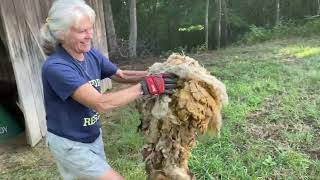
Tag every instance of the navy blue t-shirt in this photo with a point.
(61, 76)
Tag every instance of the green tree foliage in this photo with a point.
(165, 25)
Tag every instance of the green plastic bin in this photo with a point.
(10, 126)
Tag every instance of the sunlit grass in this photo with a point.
(301, 51)
(273, 143)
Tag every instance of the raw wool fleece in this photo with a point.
(170, 123)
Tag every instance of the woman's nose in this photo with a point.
(89, 35)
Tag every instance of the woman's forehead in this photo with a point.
(82, 26)
(83, 23)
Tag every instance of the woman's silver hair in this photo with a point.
(62, 15)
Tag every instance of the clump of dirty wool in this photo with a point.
(170, 123)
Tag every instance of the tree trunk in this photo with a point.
(225, 17)
(133, 30)
(207, 25)
(111, 33)
(318, 7)
(218, 25)
(278, 13)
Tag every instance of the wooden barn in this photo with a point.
(21, 58)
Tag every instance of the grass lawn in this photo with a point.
(271, 126)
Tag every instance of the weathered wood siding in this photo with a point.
(21, 21)
(26, 57)
(100, 36)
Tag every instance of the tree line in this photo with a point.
(150, 27)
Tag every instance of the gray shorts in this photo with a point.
(78, 160)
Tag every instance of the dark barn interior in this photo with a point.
(8, 89)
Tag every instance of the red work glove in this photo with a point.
(159, 84)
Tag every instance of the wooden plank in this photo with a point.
(100, 36)
(45, 6)
(32, 14)
(33, 23)
(36, 60)
(35, 12)
(14, 25)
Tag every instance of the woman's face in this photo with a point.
(78, 39)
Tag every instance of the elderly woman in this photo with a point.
(71, 78)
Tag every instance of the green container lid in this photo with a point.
(9, 125)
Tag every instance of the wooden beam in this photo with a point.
(33, 23)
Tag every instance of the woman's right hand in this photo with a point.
(159, 84)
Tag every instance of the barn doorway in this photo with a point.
(11, 117)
